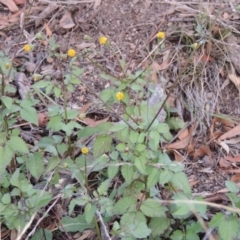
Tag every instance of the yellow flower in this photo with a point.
(120, 96)
(71, 52)
(27, 48)
(7, 65)
(36, 77)
(84, 150)
(161, 35)
(195, 45)
(103, 40)
(65, 165)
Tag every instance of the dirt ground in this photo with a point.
(204, 92)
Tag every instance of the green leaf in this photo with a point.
(17, 144)
(6, 155)
(29, 114)
(36, 165)
(181, 208)
(15, 181)
(216, 220)
(118, 127)
(140, 231)
(7, 101)
(177, 235)
(175, 123)
(57, 92)
(101, 145)
(165, 176)
(113, 170)
(89, 212)
(102, 128)
(52, 163)
(140, 147)
(125, 204)
(42, 234)
(141, 137)
(228, 229)
(231, 186)
(154, 140)
(153, 178)
(121, 147)
(77, 224)
(133, 136)
(6, 199)
(180, 181)
(103, 188)
(71, 114)
(41, 84)
(127, 173)
(152, 208)
(140, 163)
(158, 225)
(55, 123)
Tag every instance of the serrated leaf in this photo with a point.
(7, 101)
(71, 114)
(165, 176)
(153, 178)
(180, 181)
(177, 235)
(121, 147)
(133, 136)
(118, 127)
(112, 170)
(175, 123)
(152, 208)
(231, 186)
(140, 163)
(57, 92)
(103, 188)
(158, 225)
(89, 212)
(41, 84)
(127, 173)
(55, 123)
(6, 155)
(29, 114)
(52, 163)
(17, 144)
(216, 220)
(181, 208)
(77, 224)
(140, 147)
(42, 234)
(36, 164)
(140, 231)
(6, 199)
(124, 205)
(141, 137)
(154, 140)
(101, 145)
(228, 229)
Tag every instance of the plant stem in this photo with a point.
(97, 228)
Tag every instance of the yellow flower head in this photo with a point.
(84, 150)
(65, 165)
(71, 52)
(195, 45)
(103, 40)
(7, 65)
(161, 35)
(36, 77)
(27, 48)
(120, 96)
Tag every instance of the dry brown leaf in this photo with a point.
(92, 123)
(232, 171)
(85, 107)
(224, 146)
(14, 234)
(19, 2)
(45, 13)
(223, 163)
(47, 29)
(225, 15)
(42, 119)
(165, 64)
(235, 79)
(206, 58)
(193, 182)
(177, 156)
(11, 5)
(235, 178)
(85, 45)
(233, 159)
(171, 102)
(203, 150)
(5, 232)
(66, 21)
(97, 3)
(183, 143)
(85, 235)
(183, 134)
(232, 133)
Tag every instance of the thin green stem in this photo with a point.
(97, 228)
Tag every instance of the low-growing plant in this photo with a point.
(124, 185)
